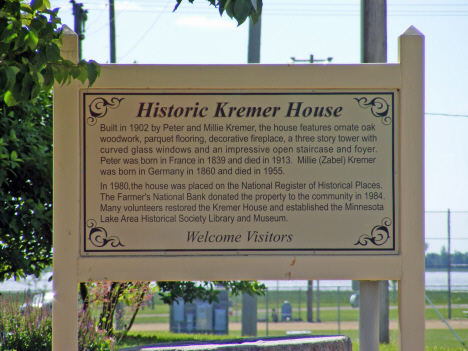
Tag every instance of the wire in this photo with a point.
(307, 9)
(358, 4)
(444, 114)
(445, 211)
(97, 19)
(446, 238)
(313, 13)
(120, 12)
(146, 33)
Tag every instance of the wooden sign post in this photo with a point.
(165, 172)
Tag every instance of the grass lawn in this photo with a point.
(154, 316)
(436, 340)
(159, 308)
(142, 319)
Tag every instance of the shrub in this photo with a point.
(30, 328)
(89, 337)
(26, 330)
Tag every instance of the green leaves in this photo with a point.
(189, 291)
(53, 53)
(238, 9)
(256, 12)
(30, 57)
(32, 39)
(30, 64)
(25, 187)
(36, 4)
(9, 32)
(7, 78)
(29, 41)
(94, 71)
(242, 9)
(48, 75)
(66, 71)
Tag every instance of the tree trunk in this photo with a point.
(106, 319)
(84, 296)
(130, 324)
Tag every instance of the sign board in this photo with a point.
(210, 172)
(241, 172)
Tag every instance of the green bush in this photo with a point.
(30, 328)
(26, 330)
(89, 337)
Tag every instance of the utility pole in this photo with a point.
(112, 31)
(80, 19)
(249, 303)
(255, 33)
(373, 31)
(318, 302)
(373, 294)
(384, 333)
(249, 315)
(310, 301)
(449, 267)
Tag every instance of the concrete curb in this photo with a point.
(300, 343)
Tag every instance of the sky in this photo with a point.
(147, 31)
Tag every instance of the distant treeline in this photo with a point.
(457, 259)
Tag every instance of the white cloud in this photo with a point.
(203, 22)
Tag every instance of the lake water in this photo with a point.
(434, 281)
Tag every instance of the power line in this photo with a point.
(305, 4)
(97, 19)
(305, 9)
(120, 12)
(445, 211)
(444, 114)
(282, 4)
(446, 238)
(315, 13)
(146, 33)
(357, 4)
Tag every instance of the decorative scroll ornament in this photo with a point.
(98, 108)
(378, 236)
(98, 236)
(379, 108)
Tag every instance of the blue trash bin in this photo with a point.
(286, 311)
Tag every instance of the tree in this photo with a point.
(169, 292)
(134, 294)
(434, 260)
(30, 52)
(30, 63)
(26, 187)
(238, 9)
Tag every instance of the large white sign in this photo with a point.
(210, 172)
(242, 172)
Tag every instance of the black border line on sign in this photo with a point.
(189, 252)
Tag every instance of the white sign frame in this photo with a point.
(407, 266)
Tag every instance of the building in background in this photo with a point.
(201, 317)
